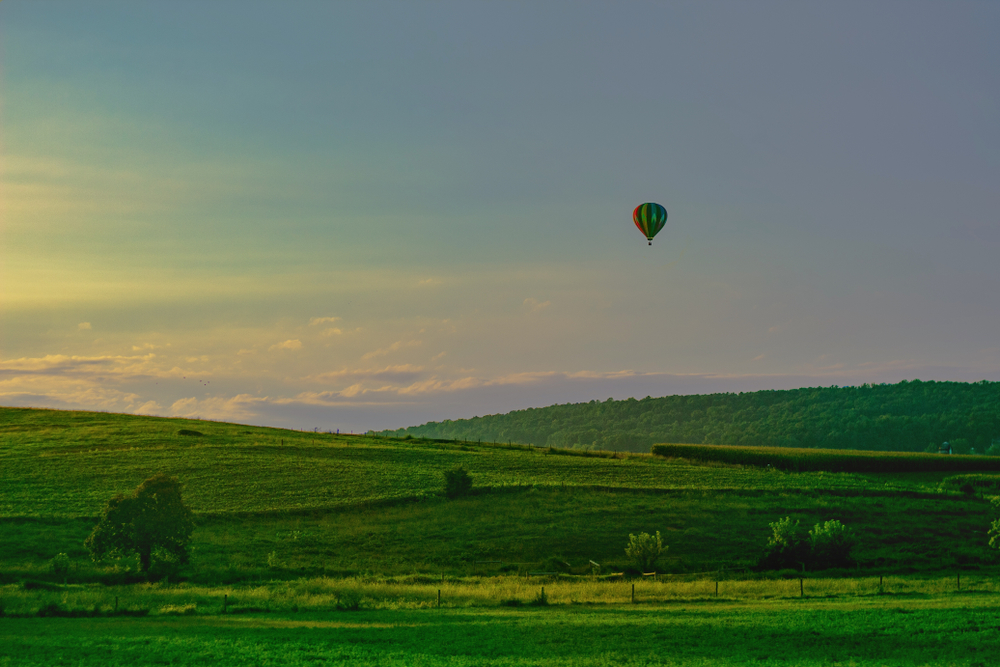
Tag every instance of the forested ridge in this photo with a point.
(908, 416)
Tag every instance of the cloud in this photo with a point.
(287, 345)
(534, 306)
(398, 373)
(148, 408)
(234, 408)
(333, 331)
(323, 320)
(395, 347)
(84, 325)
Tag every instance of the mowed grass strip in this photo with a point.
(948, 630)
(830, 460)
(326, 594)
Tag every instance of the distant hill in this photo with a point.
(910, 416)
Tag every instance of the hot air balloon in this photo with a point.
(649, 218)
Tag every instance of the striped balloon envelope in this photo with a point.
(649, 218)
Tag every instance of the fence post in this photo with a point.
(439, 597)
(801, 589)
(633, 593)
(717, 589)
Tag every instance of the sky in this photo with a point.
(369, 215)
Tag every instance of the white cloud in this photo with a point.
(333, 331)
(234, 408)
(84, 325)
(287, 345)
(323, 320)
(395, 347)
(148, 408)
(397, 373)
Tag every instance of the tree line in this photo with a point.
(910, 416)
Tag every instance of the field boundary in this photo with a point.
(830, 460)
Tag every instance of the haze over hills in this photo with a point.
(908, 416)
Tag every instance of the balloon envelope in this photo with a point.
(649, 218)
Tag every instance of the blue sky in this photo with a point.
(369, 215)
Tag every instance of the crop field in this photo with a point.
(829, 460)
(67, 464)
(328, 548)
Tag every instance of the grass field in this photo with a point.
(882, 630)
(321, 522)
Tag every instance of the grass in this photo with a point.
(885, 630)
(332, 548)
(283, 504)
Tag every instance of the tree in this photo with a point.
(457, 482)
(152, 521)
(828, 544)
(644, 550)
(785, 548)
(831, 544)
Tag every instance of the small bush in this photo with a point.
(644, 550)
(349, 602)
(786, 548)
(60, 565)
(457, 482)
(187, 431)
(830, 545)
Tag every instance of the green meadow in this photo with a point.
(313, 547)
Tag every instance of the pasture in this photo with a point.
(327, 548)
(884, 630)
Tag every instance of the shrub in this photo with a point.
(830, 545)
(60, 565)
(457, 482)
(786, 547)
(995, 526)
(644, 550)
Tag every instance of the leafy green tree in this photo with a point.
(645, 549)
(995, 526)
(152, 521)
(830, 545)
(457, 482)
(786, 547)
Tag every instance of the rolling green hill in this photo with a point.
(275, 503)
(906, 417)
